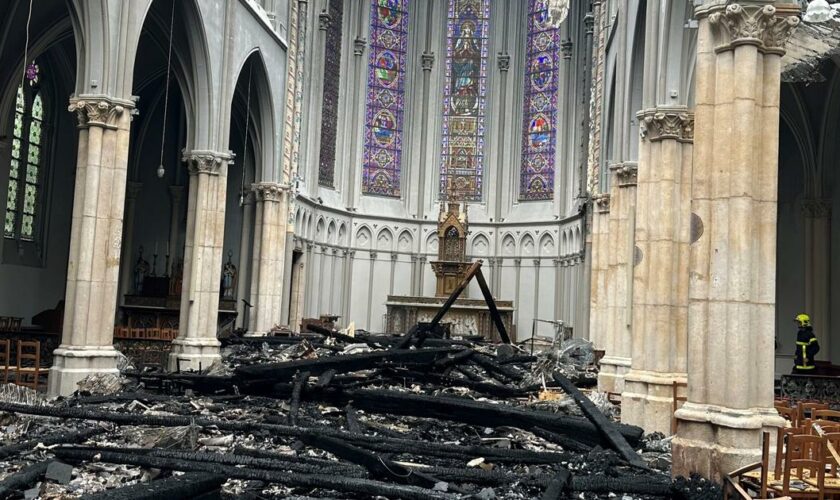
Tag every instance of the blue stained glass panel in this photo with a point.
(539, 129)
(385, 98)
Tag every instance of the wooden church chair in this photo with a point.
(789, 414)
(806, 410)
(803, 473)
(5, 352)
(28, 368)
(752, 478)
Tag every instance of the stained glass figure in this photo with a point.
(462, 162)
(332, 76)
(540, 114)
(385, 98)
(24, 170)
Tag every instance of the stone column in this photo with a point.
(817, 215)
(618, 278)
(126, 260)
(732, 271)
(267, 276)
(244, 277)
(660, 291)
(600, 257)
(196, 346)
(95, 237)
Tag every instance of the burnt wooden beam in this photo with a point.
(491, 304)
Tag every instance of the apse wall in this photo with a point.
(362, 232)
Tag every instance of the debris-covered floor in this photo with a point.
(330, 416)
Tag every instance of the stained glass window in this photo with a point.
(329, 113)
(24, 170)
(462, 162)
(540, 113)
(385, 98)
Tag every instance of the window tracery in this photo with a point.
(540, 108)
(385, 98)
(23, 191)
(462, 163)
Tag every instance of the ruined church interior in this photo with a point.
(414, 249)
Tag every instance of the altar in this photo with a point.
(466, 316)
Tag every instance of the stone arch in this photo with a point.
(547, 247)
(405, 242)
(342, 234)
(364, 237)
(578, 246)
(320, 226)
(331, 233)
(260, 122)
(526, 245)
(432, 243)
(508, 245)
(480, 245)
(385, 240)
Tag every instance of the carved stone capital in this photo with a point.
(206, 162)
(373, 255)
(666, 123)
(566, 48)
(133, 189)
(503, 61)
(394, 257)
(359, 45)
(626, 173)
(602, 203)
(324, 21)
(427, 60)
(766, 26)
(99, 111)
(269, 191)
(816, 209)
(537, 262)
(589, 23)
(517, 262)
(351, 253)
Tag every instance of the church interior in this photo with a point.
(420, 249)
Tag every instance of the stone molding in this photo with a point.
(566, 48)
(269, 191)
(658, 124)
(206, 162)
(816, 209)
(626, 173)
(133, 189)
(427, 60)
(100, 111)
(766, 26)
(324, 19)
(602, 203)
(503, 60)
(359, 45)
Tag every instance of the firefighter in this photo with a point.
(806, 346)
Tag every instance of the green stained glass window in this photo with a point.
(23, 190)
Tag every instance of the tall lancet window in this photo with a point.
(385, 98)
(23, 200)
(332, 76)
(540, 113)
(462, 162)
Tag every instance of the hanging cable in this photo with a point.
(245, 136)
(162, 171)
(26, 45)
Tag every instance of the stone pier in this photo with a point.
(269, 252)
(732, 280)
(95, 242)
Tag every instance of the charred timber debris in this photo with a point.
(326, 415)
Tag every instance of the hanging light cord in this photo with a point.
(161, 171)
(26, 46)
(245, 136)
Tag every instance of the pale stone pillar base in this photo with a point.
(71, 364)
(194, 354)
(611, 376)
(714, 440)
(648, 399)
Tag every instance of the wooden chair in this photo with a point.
(832, 465)
(806, 409)
(783, 434)
(827, 415)
(28, 368)
(804, 468)
(675, 404)
(789, 414)
(6, 348)
(751, 477)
